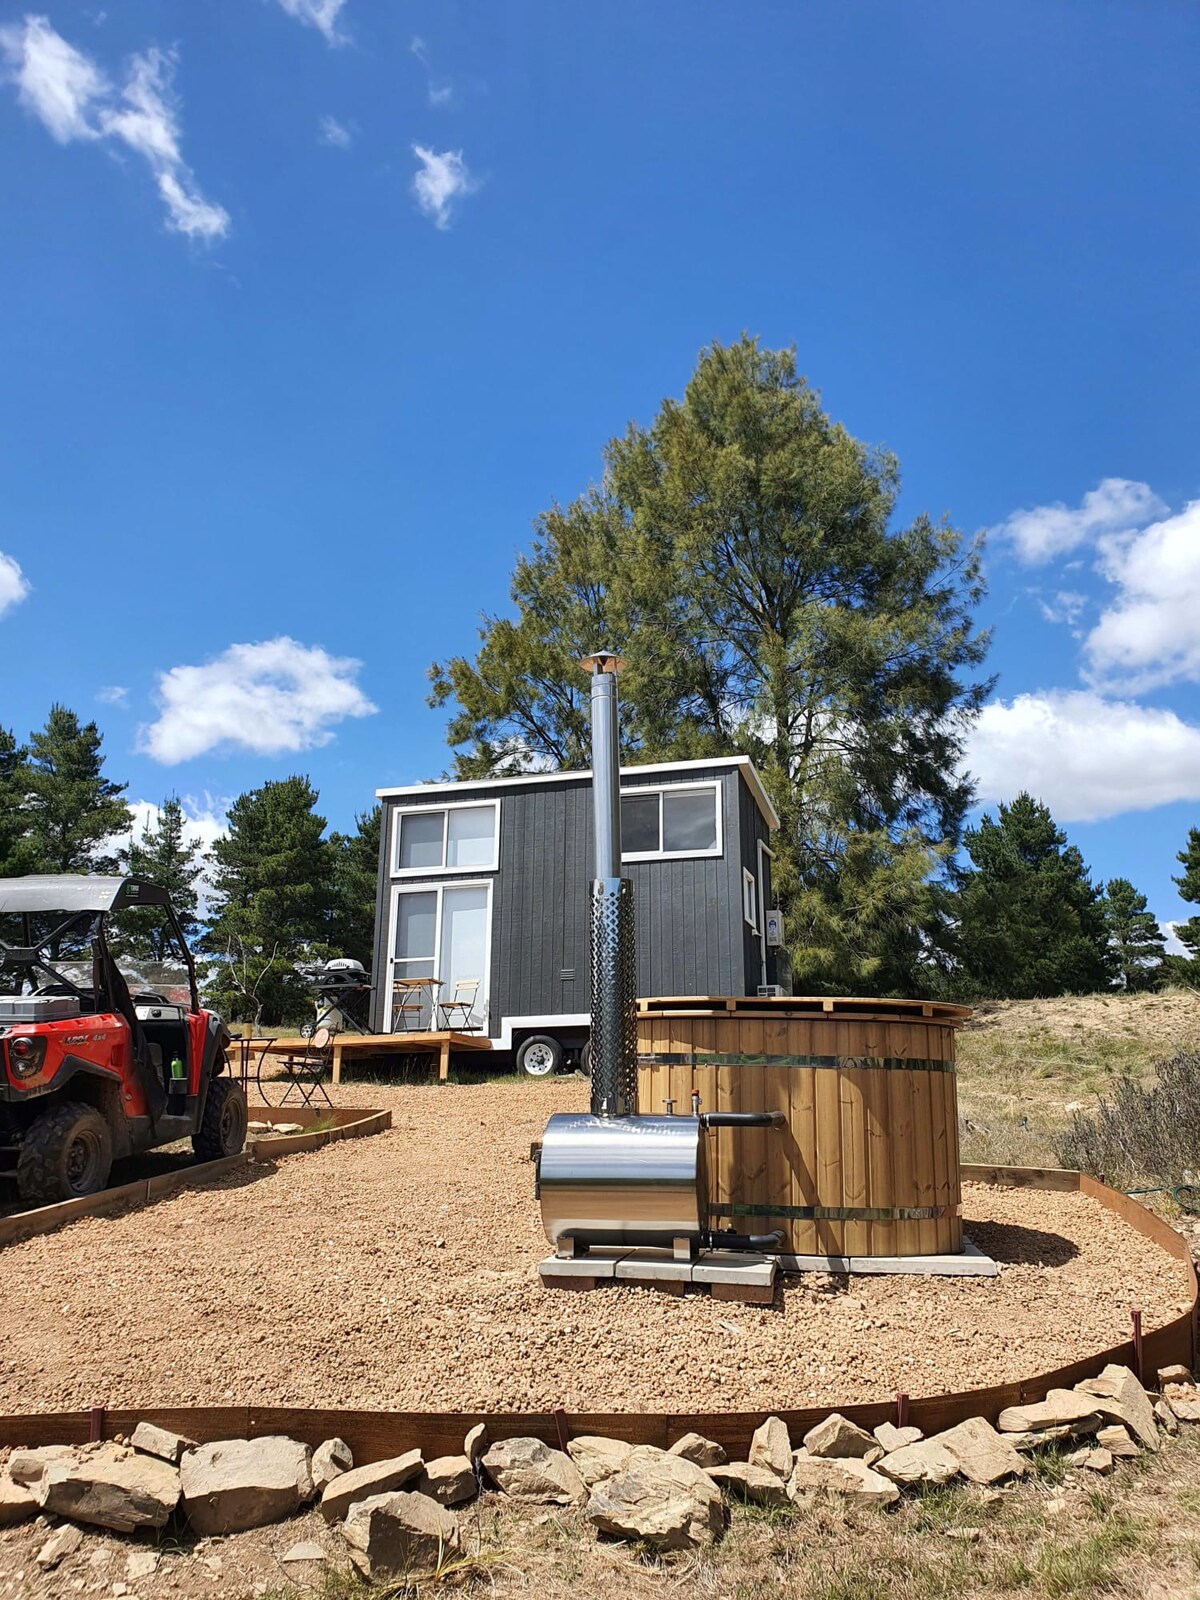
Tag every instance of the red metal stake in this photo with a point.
(1136, 1316)
(901, 1409)
(96, 1424)
(560, 1427)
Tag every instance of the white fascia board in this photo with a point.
(656, 768)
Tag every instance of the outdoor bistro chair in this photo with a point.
(408, 1007)
(304, 1073)
(457, 1011)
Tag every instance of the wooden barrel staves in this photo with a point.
(867, 1164)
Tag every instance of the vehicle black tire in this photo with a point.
(65, 1153)
(222, 1130)
(540, 1056)
(585, 1059)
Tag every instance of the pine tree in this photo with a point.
(739, 554)
(164, 856)
(1136, 938)
(355, 881)
(1030, 921)
(272, 902)
(72, 813)
(12, 795)
(1188, 932)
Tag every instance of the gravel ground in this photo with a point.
(399, 1272)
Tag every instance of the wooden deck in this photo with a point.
(441, 1042)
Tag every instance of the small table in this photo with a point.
(403, 988)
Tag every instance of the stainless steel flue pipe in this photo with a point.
(614, 966)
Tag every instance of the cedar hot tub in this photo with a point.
(866, 1162)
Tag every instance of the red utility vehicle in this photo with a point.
(90, 1070)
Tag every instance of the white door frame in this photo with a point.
(424, 886)
(763, 850)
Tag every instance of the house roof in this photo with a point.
(666, 768)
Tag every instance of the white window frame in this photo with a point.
(485, 977)
(749, 899)
(423, 811)
(642, 790)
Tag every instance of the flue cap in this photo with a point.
(603, 661)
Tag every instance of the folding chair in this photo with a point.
(457, 1011)
(408, 1006)
(305, 1072)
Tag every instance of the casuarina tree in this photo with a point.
(1188, 932)
(272, 902)
(741, 554)
(1030, 921)
(73, 816)
(1135, 938)
(12, 796)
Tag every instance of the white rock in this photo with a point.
(235, 1484)
(476, 1442)
(927, 1461)
(1121, 1398)
(846, 1477)
(1060, 1408)
(1092, 1458)
(159, 1442)
(745, 1481)
(1177, 1373)
(1115, 1439)
(400, 1535)
(62, 1543)
(365, 1483)
(110, 1487)
(141, 1564)
(890, 1438)
(330, 1460)
(450, 1480)
(526, 1469)
(837, 1438)
(983, 1455)
(306, 1552)
(664, 1500)
(1162, 1410)
(771, 1448)
(26, 1466)
(17, 1503)
(598, 1457)
(700, 1451)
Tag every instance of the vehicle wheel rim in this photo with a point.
(230, 1121)
(83, 1163)
(539, 1060)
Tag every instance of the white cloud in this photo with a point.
(204, 822)
(1085, 756)
(1066, 606)
(331, 131)
(14, 585)
(1115, 506)
(440, 181)
(437, 93)
(1174, 944)
(74, 99)
(113, 694)
(270, 698)
(322, 14)
(1150, 634)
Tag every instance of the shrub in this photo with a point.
(1141, 1133)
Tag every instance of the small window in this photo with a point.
(447, 839)
(750, 898)
(670, 822)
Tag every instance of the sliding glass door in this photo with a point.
(442, 931)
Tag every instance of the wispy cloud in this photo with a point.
(1116, 504)
(442, 179)
(113, 694)
(439, 92)
(332, 132)
(271, 698)
(75, 100)
(320, 14)
(1066, 606)
(14, 585)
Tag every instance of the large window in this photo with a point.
(682, 821)
(444, 933)
(448, 838)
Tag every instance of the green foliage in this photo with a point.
(69, 810)
(1189, 890)
(1136, 938)
(12, 793)
(355, 880)
(165, 857)
(739, 553)
(1030, 921)
(273, 902)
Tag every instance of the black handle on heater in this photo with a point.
(742, 1119)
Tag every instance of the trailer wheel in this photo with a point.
(585, 1059)
(66, 1153)
(539, 1055)
(222, 1130)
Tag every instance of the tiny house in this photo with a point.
(485, 885)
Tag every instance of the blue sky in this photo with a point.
(312, 305)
